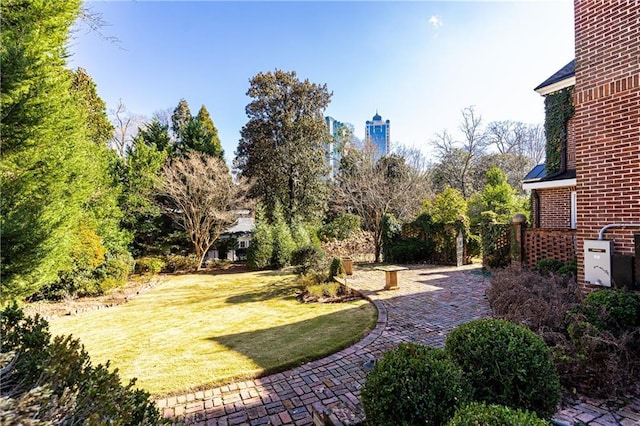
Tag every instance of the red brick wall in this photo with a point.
(542, 244)
(555, 211)
(607, 120)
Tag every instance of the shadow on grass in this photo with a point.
(278, 348)
(285, 290)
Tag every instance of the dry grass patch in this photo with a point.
(194, 331)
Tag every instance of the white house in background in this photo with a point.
(242, 232)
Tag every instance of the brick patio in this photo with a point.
(429, 302)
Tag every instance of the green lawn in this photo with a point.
(197, 330)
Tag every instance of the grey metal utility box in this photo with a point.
(597, 262)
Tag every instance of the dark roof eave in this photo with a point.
(563, 73)
(568, 174)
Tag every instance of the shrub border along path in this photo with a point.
(429, 303)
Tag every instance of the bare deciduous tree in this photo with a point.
(507, 136)
(198, 192)
(457, 157)
(125, 126)
(374, 188)
(535, 143)
(514, 137)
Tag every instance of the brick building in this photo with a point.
(595, 176)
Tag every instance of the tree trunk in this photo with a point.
(378, 247)
(201, 260)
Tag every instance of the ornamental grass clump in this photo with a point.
(414, 385)
(537, 301)
(506, 364)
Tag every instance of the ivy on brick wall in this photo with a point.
(558, 108)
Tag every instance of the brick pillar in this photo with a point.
(607, 121)
(517, 249)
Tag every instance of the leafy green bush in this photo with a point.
(495, 245)
(414, 385)
(570, 268)
(474, 246)
(283, 247)
(336, 269)
(409, 251)
(311, 278)
(261, 249)
(612, 310)
(61, 369)
(114, 272)
(507, 364)
(341, 228)
(301, 234)
(476, 414)
(307, 258)
(118, 267)
(90, 281)
(548, 266)
(597, 361)
(423, 239)
(149, 265)
(178, 263)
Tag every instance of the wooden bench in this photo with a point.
(391, 275)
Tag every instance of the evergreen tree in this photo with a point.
(102, 212)
(282, 146)
(447, 206)
(283, 243)
(140, 174)
(47, 166)
(84, 90)
(196, 137)
(179, 119)
(497, 201)
(213, 147)
(156, 133)
(261, 249)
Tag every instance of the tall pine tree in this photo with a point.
(46, 166)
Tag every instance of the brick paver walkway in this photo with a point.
(429, 302)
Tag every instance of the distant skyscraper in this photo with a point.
(377, 134)
(332, 148)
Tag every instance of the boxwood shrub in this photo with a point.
(413, 385)
(507, 364)
(476, 414)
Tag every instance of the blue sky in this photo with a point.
(418, 63)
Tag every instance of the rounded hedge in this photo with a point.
(507, 364)
(413, 385)
(612, 310)
(477, 413)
